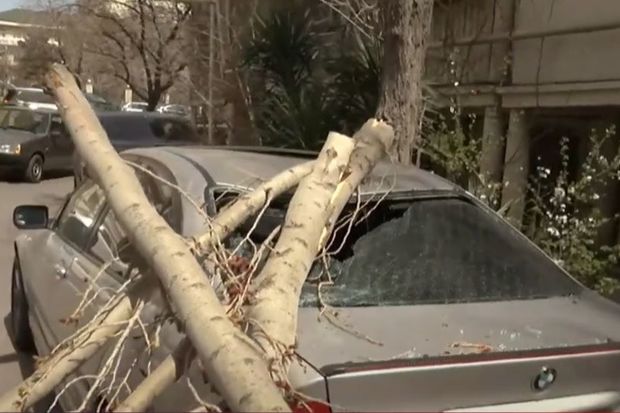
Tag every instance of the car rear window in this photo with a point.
(423, 251)
(141, 128)
(431, 251)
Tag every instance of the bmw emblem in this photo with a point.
(544, 379)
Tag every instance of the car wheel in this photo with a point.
(22, 334)
(34, 170)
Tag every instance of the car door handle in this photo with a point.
(60, 271)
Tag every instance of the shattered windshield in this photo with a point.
(420, 251)
(433, 251)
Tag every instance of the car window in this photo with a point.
(421, 251)
(143, 128)
(58, 125)
(435, 251)
(111, 245)
(22, 119)
(173, 130)
(126, 128)
(78, 217)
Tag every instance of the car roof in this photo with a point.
(46, 111)
(28, 89)
(247, 167)
(118, 114)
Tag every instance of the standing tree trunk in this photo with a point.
(406, 26)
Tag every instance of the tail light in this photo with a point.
(312, 407)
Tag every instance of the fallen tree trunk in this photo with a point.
(306, 227)
(235, 367)
(236, 213)
(372, 143)
(273, 317)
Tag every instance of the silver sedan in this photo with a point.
(437, 304)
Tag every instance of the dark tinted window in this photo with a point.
(141, 128)
(436, 251)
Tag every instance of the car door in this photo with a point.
(60, 154)
(58, 291)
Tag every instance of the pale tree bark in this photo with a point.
(236, 369)
(61, 364)
(234, 363)
(274, 314)
(311, 216)
(406, 27)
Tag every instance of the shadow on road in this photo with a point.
(27, 367)
(17, 178)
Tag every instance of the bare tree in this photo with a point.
(140, 41)
(215, 33)
(406, 27)
(37, 53)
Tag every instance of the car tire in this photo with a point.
(34, 169)
(22, 334)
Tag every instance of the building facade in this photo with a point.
(536, 70)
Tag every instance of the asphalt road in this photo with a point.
(51, 192)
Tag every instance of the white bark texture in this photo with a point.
(312, 212)
(221, 227)
(234, 366)
(372, 143)
(274, 314)
(51, 374)
(249, 204)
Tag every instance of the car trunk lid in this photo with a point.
(443, 357)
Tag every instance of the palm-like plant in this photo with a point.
(291, 104)
(309, 78)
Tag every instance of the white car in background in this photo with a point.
(32, 97)
(175, 109)
(135, 107)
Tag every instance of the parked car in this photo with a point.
(132, 130)
(38, 98)
(31, 97)
(100, 104)
(174, 109)
(33, 141)
(135, 107)
(445, 306)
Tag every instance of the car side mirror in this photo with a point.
(31, 217)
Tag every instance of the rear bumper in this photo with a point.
(603, 401)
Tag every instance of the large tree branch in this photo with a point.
(62, 364)
(232, 363)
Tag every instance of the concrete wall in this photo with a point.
(550, 60)
(583, 57)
